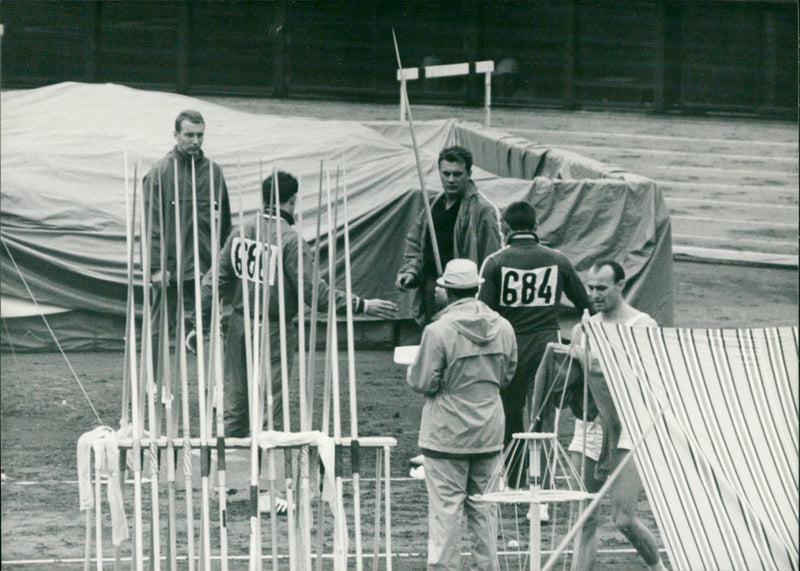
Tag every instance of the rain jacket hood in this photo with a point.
(473, 322)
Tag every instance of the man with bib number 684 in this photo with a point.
(523, 283)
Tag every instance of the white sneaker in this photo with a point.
(265, 504)
(544, 513)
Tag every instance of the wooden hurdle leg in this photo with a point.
(98, 520)
(387, 474)
(377, 526)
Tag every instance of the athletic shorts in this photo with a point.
(594, 439)
(625, 441)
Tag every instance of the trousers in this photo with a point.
(237, 408)
(450, 483)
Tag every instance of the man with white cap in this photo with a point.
(467, 354)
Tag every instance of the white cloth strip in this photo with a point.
(721, 470)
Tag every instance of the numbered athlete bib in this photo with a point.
(247, 257)
(528, 288)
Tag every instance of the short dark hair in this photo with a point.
(456, 154)
(619, 272)
(287, 187)
(189, 115)
(520, 216)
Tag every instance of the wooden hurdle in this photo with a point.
(448, 70)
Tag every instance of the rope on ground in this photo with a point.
(41, 313)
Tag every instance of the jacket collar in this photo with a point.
(186, 157)
(469, 192)
(522, 235)
(284, 215)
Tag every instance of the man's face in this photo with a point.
(603, 291)
(190, 137)
(455, 177)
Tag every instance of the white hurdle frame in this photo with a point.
(485, 67)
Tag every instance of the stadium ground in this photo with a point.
(43, 411)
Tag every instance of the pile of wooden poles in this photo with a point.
(156, 390)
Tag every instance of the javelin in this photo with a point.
(147, 373)
(428, 214)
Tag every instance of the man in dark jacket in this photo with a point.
(187, 167)
(466, 223)
(524, 282)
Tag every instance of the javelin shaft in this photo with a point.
(281, 308)
(351, 375)
(149, 385)
(428, 214)
(312, 336)
(129, 311)
(215, 370)
(241, 254)
(303, 491)
(135, 420)
(166, 374)
(266, 351)
(180, 350)
(284, 357)
(340, 529)
(205, 514)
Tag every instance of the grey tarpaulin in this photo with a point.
(62, 214)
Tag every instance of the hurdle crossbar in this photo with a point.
(449, 70)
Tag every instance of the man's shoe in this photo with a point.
(265, 505)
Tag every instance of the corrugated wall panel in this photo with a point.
(673, 54)
(46, 41)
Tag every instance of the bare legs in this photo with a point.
(624, 496)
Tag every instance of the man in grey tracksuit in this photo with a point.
(240, 257)
(467, 354)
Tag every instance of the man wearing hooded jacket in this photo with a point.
(466, 223)
(465, 357)
(187, 166)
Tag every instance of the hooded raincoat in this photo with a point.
(465, 357)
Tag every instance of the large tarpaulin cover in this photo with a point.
(721, 467)
(62, 215)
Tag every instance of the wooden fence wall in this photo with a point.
(685, 55)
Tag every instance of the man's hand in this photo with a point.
(155, 278)
(380, 308)
(404, 280)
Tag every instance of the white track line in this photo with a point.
(732, 240)
(640, 151)
(764, 173)
(767, 223)
(712, 201)
(399, 555)
(75, 482)
(726, 186)
(792, 145)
